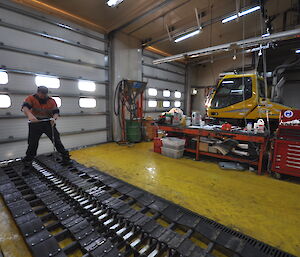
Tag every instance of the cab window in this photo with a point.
(261, 88)
(232, 91)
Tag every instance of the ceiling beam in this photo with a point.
(160, 16)
(204, 24)
(150, 11)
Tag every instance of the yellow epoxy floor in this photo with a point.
(259, 206)
(11, 241)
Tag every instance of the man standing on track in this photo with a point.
(40, 108)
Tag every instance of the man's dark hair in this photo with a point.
(42, 89)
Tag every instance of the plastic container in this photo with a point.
(157, 145)
(249, 127)
(261, 126)
(176, 118)
(173, 143)
(176, 154)
(188, 121)
(196, 117)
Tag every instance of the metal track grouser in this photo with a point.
(99, 215)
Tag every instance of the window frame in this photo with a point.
(229, 96)
(151, 88)
(87, 98)
(167, 90)
(53, 97)
(1, 101)
(6, 77)
(87, 82)
(177, 102)
(153, 102)
(165, 101)
(179, 93)
(37, 77)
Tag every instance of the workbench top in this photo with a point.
(213, 129)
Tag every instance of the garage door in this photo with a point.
(71, 61)
(166, 84)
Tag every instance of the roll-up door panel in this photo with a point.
(26, 84)
(18, 128)
(28, 22)
(70, 105)
(35, 44)
(11, 150)
(154, 83)
(11, 37)
(29, 62)
(148, 71)
(167, 76)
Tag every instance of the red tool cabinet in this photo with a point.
(286, 154)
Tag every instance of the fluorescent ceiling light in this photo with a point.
(114, 3)
(240, 14)
(196, 32)
(249, 11)
(297, 51)
(229, 18)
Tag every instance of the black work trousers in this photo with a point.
(36, 130)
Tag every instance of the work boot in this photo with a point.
(27, 163)
(27, 166)
(66, 159)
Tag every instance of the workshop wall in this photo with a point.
(126, 64)
(166, 84)
(63, 54)
(206, 75)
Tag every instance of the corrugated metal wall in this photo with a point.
(32, 45)
(166, 76)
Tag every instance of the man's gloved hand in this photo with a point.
(33, 119)
(53, 119)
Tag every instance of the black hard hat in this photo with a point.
(42, 89)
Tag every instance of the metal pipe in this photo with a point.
(173, 64)
(109, 89)
(225, 47)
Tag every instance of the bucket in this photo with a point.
(133, 131)
(196, 117)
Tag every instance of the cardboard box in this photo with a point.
(203, 147)
(212, 149)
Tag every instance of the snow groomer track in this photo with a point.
(104, 216)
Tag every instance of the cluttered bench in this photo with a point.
(236, 145)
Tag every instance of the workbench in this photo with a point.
(261, 139)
